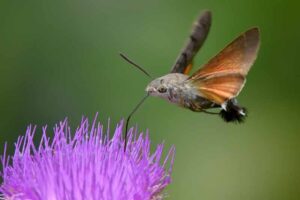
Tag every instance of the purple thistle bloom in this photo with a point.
(86, 166)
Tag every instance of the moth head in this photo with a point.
(158, 87)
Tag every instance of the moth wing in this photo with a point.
(221, 88)
(223, 77)
(183, 63)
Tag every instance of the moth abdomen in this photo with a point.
(232, 112)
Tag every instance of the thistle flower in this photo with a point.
(86, 166)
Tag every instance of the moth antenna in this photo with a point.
(136, 65)
(129, 116)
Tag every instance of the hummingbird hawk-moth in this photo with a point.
(216, 84)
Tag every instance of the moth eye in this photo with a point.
(162, 90)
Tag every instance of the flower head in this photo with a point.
(88, 165)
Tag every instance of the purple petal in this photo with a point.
(85, 165)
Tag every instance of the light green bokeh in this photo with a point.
(60, 58)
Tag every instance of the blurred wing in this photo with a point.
(223, 77)
(183, 62)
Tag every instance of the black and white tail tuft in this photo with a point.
(232, 112)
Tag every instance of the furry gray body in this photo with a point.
(177, 89)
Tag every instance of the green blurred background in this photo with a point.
(60, 58)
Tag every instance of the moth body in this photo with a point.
(177, 89)
(218, 82)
